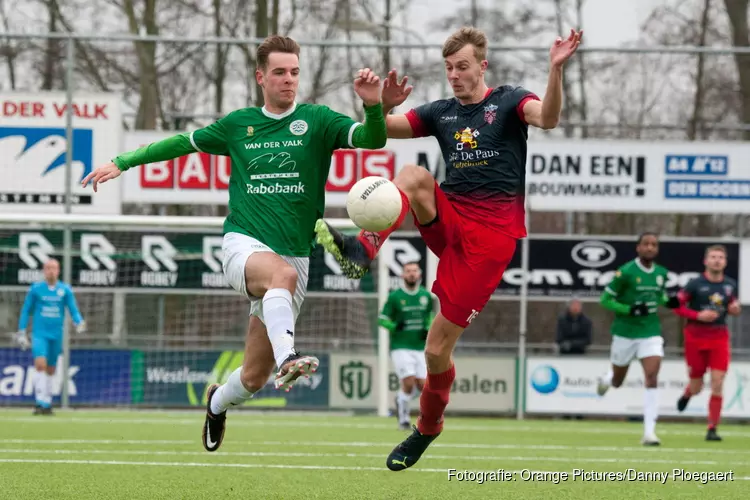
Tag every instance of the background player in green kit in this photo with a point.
(281, 155)
(634, 295)
(408, 314)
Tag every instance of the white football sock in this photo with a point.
(41, 392)
(608, 377)
(232, 393)
(278, 316)
(50, 383)
(650, 410)
(403, 405)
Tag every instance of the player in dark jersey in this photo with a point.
(474, 218)
(705, 302)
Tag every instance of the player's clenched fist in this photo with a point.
(101, 175)
(367, 86)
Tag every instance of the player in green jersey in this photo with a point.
(281, 155)
(634, 295)
(408, 314)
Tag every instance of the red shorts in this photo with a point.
(706, 352)
(473, 258)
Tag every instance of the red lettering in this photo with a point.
(100, 111)
(194, 171)
(24, 109)
(222, 171)
(85, 110)
(9, 108)
(343, 173)
(381, 163)
(158, 175)
(350, 165)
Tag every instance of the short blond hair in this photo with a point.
(467, 36)
(716, 248)
(275, 43)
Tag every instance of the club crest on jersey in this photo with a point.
(466, 137)
(490, 113)
(728, 290)
(423, 300)
(659, 281)
(298, 127)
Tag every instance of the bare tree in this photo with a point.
(738, 11)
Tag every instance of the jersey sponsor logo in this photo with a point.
(250, 131)
(33, 250)
(593, 254)
(277, 188)
(96, 253)
(466, 137)
(281, 160)
(490, 113)
(298, 127)
(716, 299)
(275, 144)
(213, 257)
(158, 254)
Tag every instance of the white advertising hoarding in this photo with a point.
(482, 384)
(571, 175)
(33, 148)
(201, 178)
(568, 385)
(639, 176)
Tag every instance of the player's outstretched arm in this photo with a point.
(166, 149)
(372, 135)
(545, 114)
(394, 94)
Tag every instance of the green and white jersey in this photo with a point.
(409, 314)
(633, 283)
(280, 165)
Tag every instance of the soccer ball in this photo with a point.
(374, 203)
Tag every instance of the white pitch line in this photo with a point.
(287, 422)
(534, 458)
(361, 444)
(262, 466)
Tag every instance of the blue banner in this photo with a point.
(95, 377)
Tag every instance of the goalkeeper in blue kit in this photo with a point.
(46, 302)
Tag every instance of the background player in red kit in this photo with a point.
(705, 302)
(474, 218)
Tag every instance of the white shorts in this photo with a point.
(624, 350)
(237, 249)
(409, 363)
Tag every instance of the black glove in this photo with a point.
(673, 302)
(639, 309)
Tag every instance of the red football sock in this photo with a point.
(687, 393)
(433, 401)
(714, 411)
(373, 241)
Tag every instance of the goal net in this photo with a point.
(161, 321)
